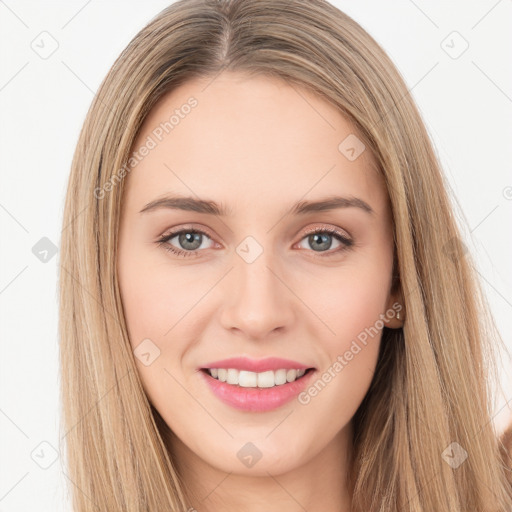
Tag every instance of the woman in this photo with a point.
(213, 355)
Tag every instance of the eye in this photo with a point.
(189, 239)
(321, 238)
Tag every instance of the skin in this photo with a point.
(256, 145)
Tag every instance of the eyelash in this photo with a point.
(347, 243)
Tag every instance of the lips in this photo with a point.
(252, 394)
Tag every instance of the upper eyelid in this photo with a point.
(330, 229)
(173, 233)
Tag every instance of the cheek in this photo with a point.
(156, 301)
(154, 297)
(355, 304)
(352, 299)
(352, 306)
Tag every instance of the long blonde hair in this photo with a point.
(430, 387)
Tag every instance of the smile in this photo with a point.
(256, 391)
(247, 379)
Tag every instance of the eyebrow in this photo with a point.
(208, 207)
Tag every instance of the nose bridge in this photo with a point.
(255, 279)
(257, 302)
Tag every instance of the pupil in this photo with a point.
(326, 245)
(190, 238)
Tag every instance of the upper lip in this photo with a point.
(257, 365)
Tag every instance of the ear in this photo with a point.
(394, 315)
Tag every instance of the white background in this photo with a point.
(466, 103)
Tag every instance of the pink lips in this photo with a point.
(256, 399)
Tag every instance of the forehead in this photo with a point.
(250, 141)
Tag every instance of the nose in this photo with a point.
(256, 299)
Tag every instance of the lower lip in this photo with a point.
(256, 399)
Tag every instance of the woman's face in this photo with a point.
(249, 279)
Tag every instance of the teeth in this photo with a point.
(280, 377)
(266, 379)
(233, 377)
(291, 375)
(247, 379)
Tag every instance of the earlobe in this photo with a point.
(395, 313)
(400, 316)
(395, 316)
